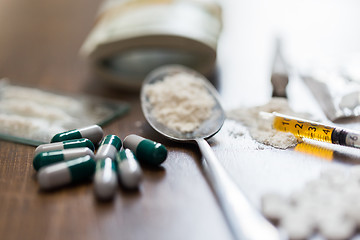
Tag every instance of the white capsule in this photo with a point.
(109, 147)
(63, 173)
(74, 143)
(53, 176)
(47, 158)
(129, 170)
(105, 181)
(49, 147)
(145, 150)
(94, 133)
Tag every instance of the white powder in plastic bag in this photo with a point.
(32, 116)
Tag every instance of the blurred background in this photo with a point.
(312, 32)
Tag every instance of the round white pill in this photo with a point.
(274, 206)
(335, 228)
(297, 225)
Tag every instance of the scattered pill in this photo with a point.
(336, 178)
(47, 158)
(67, 172)
(145, 150)
(355, 173)
(324, 204)
(331, 203)
(75, 143)
(297, 225)
(274, 206)
(329, 173)
(94, 133)
(105, 181)
(297, 197)
(337, 228)
(352, 209)
(316, 185)
(129, 170)
(109, 146)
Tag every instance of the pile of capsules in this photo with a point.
(70, 158)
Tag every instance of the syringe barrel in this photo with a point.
(314, 130)
(303, 128)
(352, 139)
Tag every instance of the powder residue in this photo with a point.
(260, 128)
(180, 101)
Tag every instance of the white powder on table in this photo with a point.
(180, 101)
(261, 129)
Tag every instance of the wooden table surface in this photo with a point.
(39, 43)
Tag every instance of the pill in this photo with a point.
(330, 173)
(355, 173)
(105, 181)
(67, 172)
(75, 143)
(297, 225)
(94, 133)
(129, 170)
(109, 146)
(316, 185)
(335, 177)
(145, 150)
(337, 228)
(47, 158)
(274, 206)
(352, 208)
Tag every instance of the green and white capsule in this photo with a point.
(76, 143)
(129, 170)
(64, 173)
(105, 181)
(109, 146)
(145, 150)
(47, 158)
(94, 133)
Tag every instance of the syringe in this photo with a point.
(314, 130)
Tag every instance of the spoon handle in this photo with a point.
(243, 219)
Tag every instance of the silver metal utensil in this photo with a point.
(243, 219)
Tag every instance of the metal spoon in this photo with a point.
(243, 219)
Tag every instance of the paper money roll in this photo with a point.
(132, 37)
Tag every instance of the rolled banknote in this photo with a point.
(132, 37)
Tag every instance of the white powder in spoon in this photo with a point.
(261, 129)
(180, 101)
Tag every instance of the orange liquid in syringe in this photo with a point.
(303, 129)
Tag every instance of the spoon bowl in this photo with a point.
(244, 220)
(206, 130)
